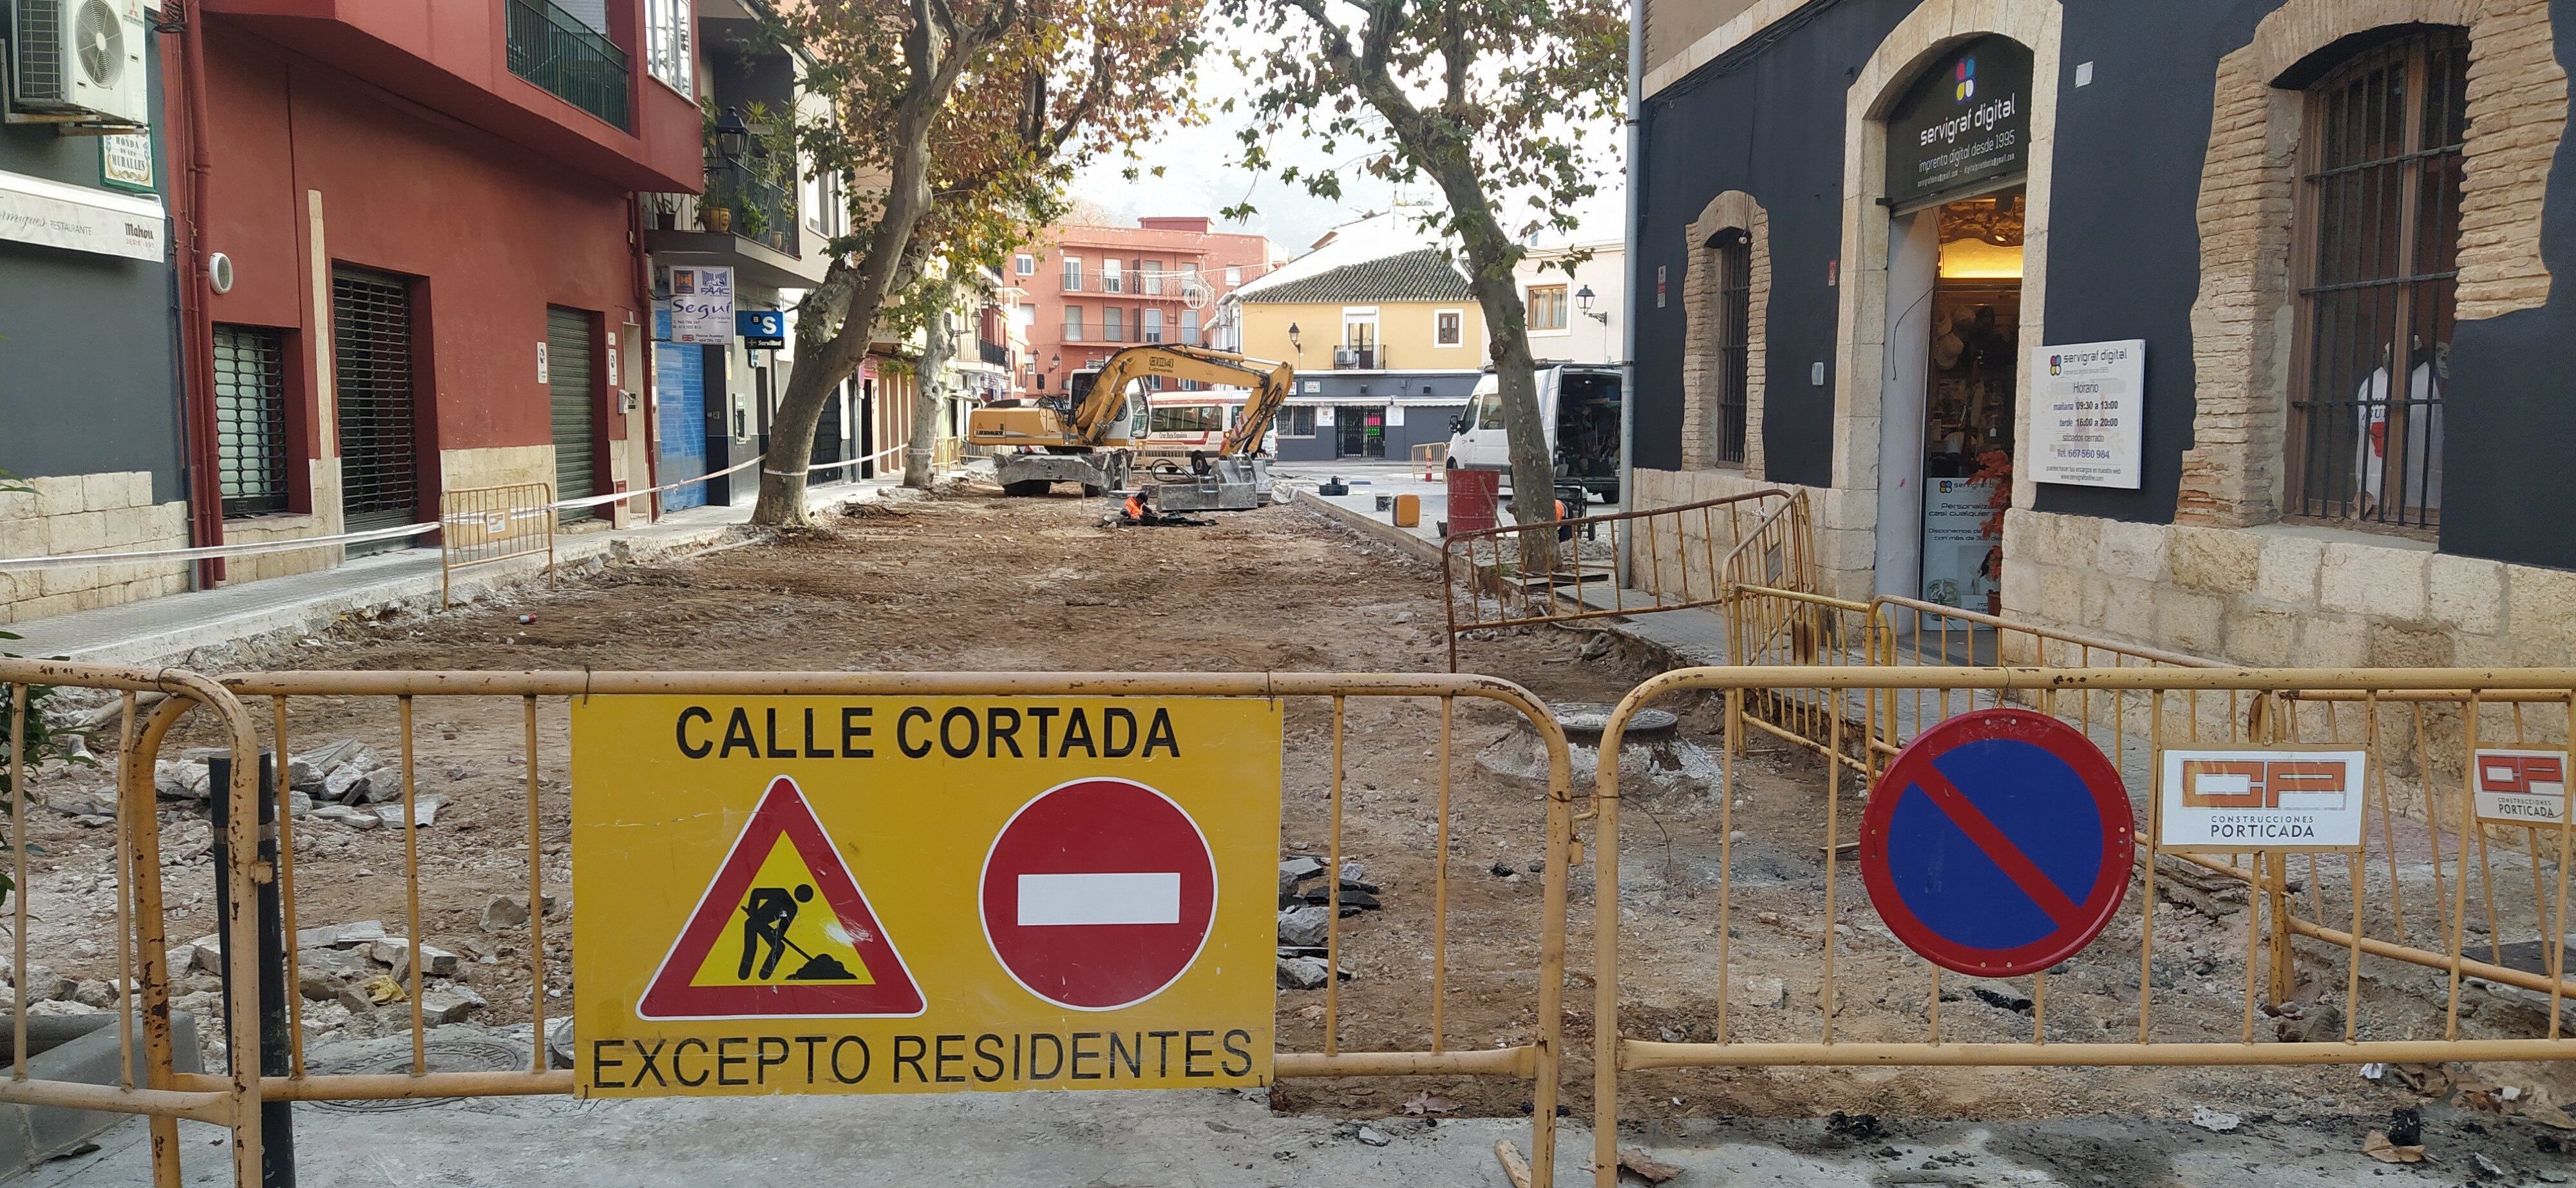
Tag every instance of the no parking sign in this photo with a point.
(1998, 844)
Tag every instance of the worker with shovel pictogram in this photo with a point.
(767, 913)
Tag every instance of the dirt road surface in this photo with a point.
(971, 581)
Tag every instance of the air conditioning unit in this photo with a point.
(83, 59)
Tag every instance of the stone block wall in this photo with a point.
(88, 513)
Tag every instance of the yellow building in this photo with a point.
(1406, 312)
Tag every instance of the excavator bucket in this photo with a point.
(1231, 484)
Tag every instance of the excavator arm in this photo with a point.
(1270, 383)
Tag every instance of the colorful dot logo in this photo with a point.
(2056, 365)
(1967, 79)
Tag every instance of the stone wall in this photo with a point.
(88, 513)
(2282, 595)
(2244, 320)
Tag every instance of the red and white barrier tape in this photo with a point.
(153, 556)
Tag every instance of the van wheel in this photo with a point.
(1026, 489)
(1453, 463)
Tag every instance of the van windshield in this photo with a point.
(1489, 410)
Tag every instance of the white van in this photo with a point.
(1581, 407)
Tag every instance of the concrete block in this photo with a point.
(58, 495)
(2129, 609)
(2261, 637)
(2367, 579)
(2189, 622)
(2540, 604)
(2466, 593)
(2331, 641)
(77, 532)
(2400, 645)
(2287, 570)
(2216, 559)
(2134, 550)
(30, 1135)
(103, 492)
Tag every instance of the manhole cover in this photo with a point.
(1583, 722)
(392, 1055)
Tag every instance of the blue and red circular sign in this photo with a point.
(1998, 844)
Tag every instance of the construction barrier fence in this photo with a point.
(2436, 893)
(392, 708)
(140, 705)
(481, 525)
(2382, 900)
(1684, 557)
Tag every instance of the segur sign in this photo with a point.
(922, 895)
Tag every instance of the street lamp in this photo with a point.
(1583, 302)
(733, 137)
(1293, 344)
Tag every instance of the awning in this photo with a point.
(56, 214)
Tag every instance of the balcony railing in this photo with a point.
(994, 353)
(569, 59)
(757, 210)
(1355, 358)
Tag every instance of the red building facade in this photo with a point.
(1093, 290)
(436, 277)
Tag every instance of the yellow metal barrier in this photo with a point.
(1678, 556)
(1430, 458)
(1536, 1059)
(481, 525)
(2179, 706)
(150, 701)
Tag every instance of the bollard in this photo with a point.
(276, 1118)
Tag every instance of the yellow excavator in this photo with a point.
(1095, 444)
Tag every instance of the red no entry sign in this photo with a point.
(1098, 894)
(1998, 843)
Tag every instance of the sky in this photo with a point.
(1202, 175)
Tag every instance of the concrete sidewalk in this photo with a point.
(1220, 1139)
(203, 624)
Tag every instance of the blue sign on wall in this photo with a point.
(761, 326)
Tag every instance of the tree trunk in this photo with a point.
(1491, 258)
(930, 390)
(836, 322)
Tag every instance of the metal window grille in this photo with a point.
(1734, 257)
(371, 368)
(2379, 290)
(250, 419)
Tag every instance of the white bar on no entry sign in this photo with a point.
(1100, 899)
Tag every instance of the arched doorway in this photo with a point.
(1958, 161)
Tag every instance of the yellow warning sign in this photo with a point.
(793, 894)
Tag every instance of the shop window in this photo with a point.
(1547, 307)
(2379, 235)
(1732, 253)
(1297, 421)
(250, 419)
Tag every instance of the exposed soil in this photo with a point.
(971, 581)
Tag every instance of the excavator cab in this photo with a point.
(1091, 439)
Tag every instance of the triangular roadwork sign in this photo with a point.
(783, 931)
